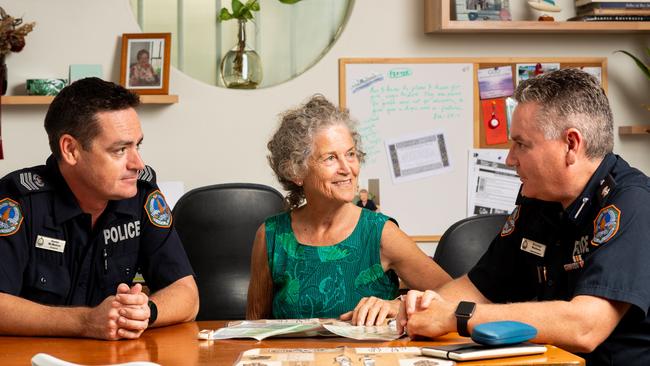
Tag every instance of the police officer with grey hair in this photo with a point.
(572, 258)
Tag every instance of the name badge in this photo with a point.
(55, 245)
(533, 247)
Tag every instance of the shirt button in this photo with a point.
(43, 280)
(550, 283)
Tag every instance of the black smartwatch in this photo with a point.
(464, 312)
(153, 312)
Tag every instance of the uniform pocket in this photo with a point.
(49, 283)
(120, 269)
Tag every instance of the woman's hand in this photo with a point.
(372, 311)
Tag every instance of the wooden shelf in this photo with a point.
(45, 100)
(634, 130)
(437, 19)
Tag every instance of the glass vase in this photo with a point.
(241, 67)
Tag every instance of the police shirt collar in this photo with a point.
(594, 192)
(66, 205)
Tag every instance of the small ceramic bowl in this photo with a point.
(45, 86)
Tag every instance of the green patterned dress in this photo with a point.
(325, 282)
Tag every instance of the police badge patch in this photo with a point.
(606, 224)
(10, 217)
(509, 226)
(158, 211)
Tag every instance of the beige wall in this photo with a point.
(217, 135)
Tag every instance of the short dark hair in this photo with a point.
(141, 52)
(74, 110)
(571, 98)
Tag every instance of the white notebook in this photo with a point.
(475, 351)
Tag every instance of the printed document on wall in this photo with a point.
(492, 186)
(417, 156)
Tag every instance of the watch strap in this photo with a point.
(153, 312)
(464, 313)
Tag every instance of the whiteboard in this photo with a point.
(393, 99)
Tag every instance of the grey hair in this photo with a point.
(292, 144)
(571, 98)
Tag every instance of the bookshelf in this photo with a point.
(45, 100)
(437, 19)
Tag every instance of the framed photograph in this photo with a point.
(145, 62)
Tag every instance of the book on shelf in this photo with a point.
(614, 3)
(611, 18)
(597, 11)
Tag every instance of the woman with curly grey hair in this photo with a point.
(325, 257)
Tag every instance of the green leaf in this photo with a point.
(644, 68)
(253, 5)
(369, 276)
(237, 8)
(331, 253)
(224, 15)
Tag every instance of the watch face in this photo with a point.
(465, 308)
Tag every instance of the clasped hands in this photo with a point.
(124, 315)
(425, 314)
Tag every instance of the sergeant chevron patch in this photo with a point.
(146, 174)
(32, 182)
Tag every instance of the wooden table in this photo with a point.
(178, 345)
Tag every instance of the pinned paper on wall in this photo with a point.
(494, 118)
(495, 82)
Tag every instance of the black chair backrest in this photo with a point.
(463, 243)
(217, 225)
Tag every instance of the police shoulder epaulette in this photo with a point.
(606, 186)
(30, 180)
(147, 174)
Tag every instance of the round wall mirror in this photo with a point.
(281, 40)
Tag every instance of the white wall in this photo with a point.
(216, 135)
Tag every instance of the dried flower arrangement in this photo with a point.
(12, 33)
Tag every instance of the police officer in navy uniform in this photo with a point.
(572, 259)
(73, 232)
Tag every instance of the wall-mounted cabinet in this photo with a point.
(45, 100)
(438, 19)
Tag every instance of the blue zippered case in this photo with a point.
(503, 333)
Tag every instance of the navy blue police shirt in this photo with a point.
(598, 246)
(50, 254)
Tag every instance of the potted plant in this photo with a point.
(241, 67)
(645, 68)
(12, 39)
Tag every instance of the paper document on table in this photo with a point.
(492, 186)
(340, 356)
(261, 329)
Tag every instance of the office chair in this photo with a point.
(217, 225)
(464, 242)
